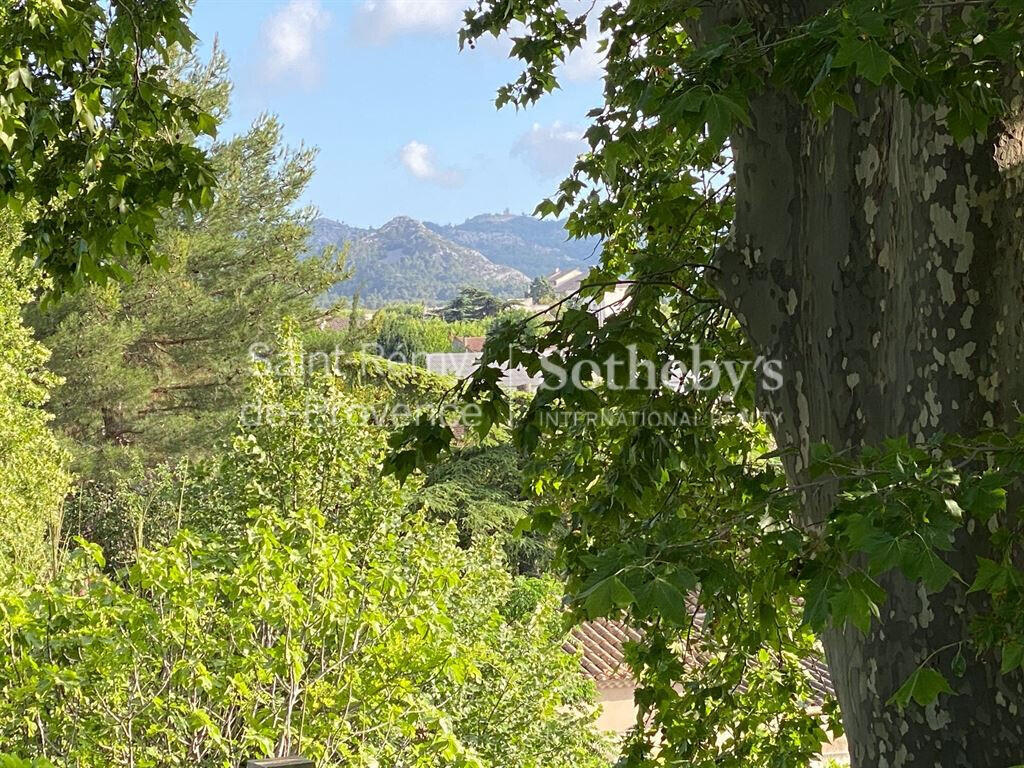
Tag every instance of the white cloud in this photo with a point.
(586, 62)
(378, 21)
(582, 64)
(418, 159)
(290, 40)
(550, 150)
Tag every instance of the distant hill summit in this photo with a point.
(533, 246)
(329, 232)
(409, 260)
(406, 261)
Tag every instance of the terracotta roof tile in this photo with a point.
(469, 343)
(602, 642)
(602, 645)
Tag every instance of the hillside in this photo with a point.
(329, 232)
(406, 261)
(533, 246)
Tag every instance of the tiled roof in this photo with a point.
(601, 643)
(820, 679)
(333, 323)
(469, 343)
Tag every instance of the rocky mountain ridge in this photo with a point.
(410, 260)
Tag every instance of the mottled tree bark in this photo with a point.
(884, 265)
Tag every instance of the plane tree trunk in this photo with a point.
(884, 264)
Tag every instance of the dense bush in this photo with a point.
(128, 509)
(313, 612)
(405, 337)
(32, 475)
(480, 489)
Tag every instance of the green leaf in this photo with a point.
(856, 601)
(621, 594)
(870, 60)
(608, 593)
(922, 564)
(959, 664)
(992, 577)
(924, 686)
(662, 597)
(986, 497)
(845, 100)
(847, 54)
(727, 109)
(207, 124)
(816, 602)
(1013, 657)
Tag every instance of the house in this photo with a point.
(600, 644)
(333, 323)
(565, 282)
(462, 364)
(473, 344)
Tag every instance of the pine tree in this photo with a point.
(157, 364)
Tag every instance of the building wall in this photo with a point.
(618, 714)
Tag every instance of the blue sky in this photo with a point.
(404, 122)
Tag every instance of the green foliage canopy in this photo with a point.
(314, 613)
(480, 489)
(156, 365)
(33, 476)
(404, 337)
(472, 304)
(95, 145)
